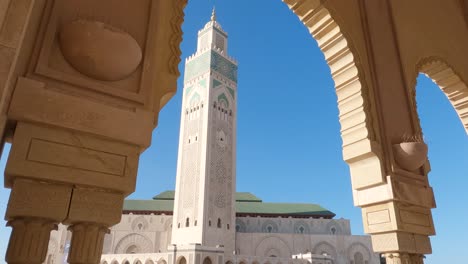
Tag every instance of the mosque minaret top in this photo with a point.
(213, 14)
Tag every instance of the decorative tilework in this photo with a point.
(232, 92)
(197, 66)
(223, 66)
(202, 83)
(222, 97)
(210, 60)
(188, 90)
(195, 98)
(216, 83)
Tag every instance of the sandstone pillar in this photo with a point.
(91, 214)
(77, 129)
(87, 242)
(377, 114)
(34, 209)
(28, 241)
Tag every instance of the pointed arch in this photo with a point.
(207, 260)
(325, 248)
(449, 82)
(273, 245)
(223, 98)
(182, 260)
(363, 250)
(133, 243)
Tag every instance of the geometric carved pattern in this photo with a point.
(358, 248)
(333, 228)
(273, 245)
(323, 248)
(301, 227)
(269, 227)
(136, 243)
(140, 224)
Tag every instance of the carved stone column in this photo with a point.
(79, 125)
(87, 242)
(33, 212)
(29, 240)
(91, 214)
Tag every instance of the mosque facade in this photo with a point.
(205, 221)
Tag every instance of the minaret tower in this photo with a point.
(204, 210)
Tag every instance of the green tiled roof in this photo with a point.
(282, 209)
(240, 196)
(247, 197)
(246, 204)
(167, 195)
(149, 205)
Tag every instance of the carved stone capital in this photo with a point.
(29, 240)
(34, 199)
(95, 206)
(401, 242)
(87, 242)
(404, 258)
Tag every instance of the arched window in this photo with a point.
(209, 222)
(195, 223)
(358, 258)
(182, 260)
(269, 229)
(178, 225)
(219, 223)
(301, 230)
(187, 222)
(227, 226)
(207, 260)
(133, 249)
(333, 230)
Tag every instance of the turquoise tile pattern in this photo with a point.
(210, 60)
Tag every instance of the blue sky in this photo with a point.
(288, 141)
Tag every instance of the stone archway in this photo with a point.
(450, 83)
(272, 245)
(132, 244)
(207, 260)
(182, 260)
(325, 248)
(365, 148)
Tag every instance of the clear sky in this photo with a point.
(288, 141)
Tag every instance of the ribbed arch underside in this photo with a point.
(451, 84)
(352, 100)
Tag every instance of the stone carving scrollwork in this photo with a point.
(176, 36)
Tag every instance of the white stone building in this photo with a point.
(205, 220)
